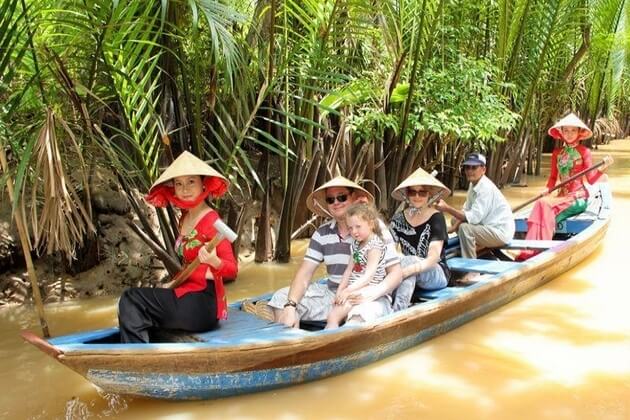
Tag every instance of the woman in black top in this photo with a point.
(421, 232)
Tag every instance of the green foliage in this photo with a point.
(461, 101)
(369, 89)
(368, 124)
(606, 62)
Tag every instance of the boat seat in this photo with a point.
(444, 293)
(242, 327)
(530, 244)
(572, 225)
(480, 266)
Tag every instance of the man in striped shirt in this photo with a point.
(330, 244)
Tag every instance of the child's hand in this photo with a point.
(365, 294)
(341, 297)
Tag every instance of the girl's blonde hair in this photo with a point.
(368, 213)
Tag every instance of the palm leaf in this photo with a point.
(61, 222)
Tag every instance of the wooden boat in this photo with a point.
(248, 354)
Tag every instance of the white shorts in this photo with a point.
(314, 306)
(370, 311)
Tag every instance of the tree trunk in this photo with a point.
(263, 234)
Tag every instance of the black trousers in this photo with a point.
(143, 308)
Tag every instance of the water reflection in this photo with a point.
(561, 352)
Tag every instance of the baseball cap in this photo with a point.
(475, 159)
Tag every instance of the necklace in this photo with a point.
(413, 211)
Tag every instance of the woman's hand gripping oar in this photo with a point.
(223, 232)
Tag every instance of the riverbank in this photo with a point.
(126, 261)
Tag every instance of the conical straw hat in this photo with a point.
(187, 164)
(570, 120)
(419, 178)
(316, 201)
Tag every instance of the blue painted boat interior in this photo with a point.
(243, 328)
(569, 226)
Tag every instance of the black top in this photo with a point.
(416, 240)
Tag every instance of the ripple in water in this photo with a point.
(79, 410)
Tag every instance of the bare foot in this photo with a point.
(469, 278)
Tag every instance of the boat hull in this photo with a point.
(215, 369)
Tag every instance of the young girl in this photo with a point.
(366, 267)
(199, 302)
(567, 160)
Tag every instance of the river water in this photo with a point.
(560, 352)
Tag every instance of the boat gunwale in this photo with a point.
(414, 314)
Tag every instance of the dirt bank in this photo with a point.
(124, 259)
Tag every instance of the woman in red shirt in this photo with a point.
(199, 302)
(568, 159)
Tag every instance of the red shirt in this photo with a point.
(187, 247)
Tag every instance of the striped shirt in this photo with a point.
(329, 247)
(360, 259)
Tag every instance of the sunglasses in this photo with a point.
(341, 198)
(420, 193)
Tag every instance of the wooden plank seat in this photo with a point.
(445, 293)
(242, 327)
(530, 244)
(480, 266)
(572, 225)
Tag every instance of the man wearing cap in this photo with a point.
(330, 244)
(486, 220)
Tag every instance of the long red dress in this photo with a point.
(572, 198)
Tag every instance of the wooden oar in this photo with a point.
(223, 232)
(560, 185)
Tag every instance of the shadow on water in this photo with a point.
(560, 352)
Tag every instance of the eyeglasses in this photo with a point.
(341, 198)
(420, 193)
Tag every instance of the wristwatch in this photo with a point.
(291, 302)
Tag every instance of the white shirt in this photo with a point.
(485, 205)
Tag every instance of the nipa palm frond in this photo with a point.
(132, 52)
(61, 222)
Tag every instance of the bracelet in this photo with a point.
(291, 302)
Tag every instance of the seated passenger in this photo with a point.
(365, 268)
(330, 244)
(568, 159)
(486, 220)
(421, 232)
